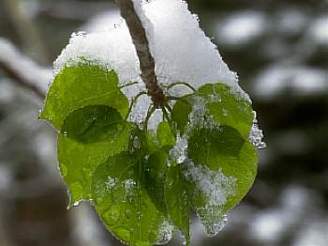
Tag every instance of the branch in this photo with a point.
(140, 41)
(22, 70)
(27, 31)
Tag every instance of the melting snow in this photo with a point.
(165, 233)
(213, 184)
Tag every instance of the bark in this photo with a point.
(140, 41)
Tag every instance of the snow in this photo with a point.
(301, 80)
(165, 233)
(216, 188)
(256, 135)
(181, 50)
(319, 30)
(314, 233)
(213, 184)
(291, 21)
(271, 224)
(241, 28)
(179, 152)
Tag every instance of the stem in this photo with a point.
(166, 116)
(150, 112)
(133, 101)
(181, 83)
(128, 84)
(178, 99)
(140, 41)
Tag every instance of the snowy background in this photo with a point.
(279, 49)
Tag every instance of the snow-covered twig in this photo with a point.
(140, 41)
(23, 70)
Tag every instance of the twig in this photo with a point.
(181, 83)
(21, 80)
(140, 41)
(23, 70)
(28, 31)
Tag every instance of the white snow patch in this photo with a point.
(270, 225)
(301, 80)
(241, 28)
(291, 21)
(256, 135)
(181, 50)
(213, 184)
(315, 234)
(319, 30)
(165, 233)
(179, 152)
(216, 188)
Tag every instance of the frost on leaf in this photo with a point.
(148, 170)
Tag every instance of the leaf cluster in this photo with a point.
(142, 181)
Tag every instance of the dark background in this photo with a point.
(280, 50)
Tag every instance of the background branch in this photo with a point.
(28, 32)
(23, 70)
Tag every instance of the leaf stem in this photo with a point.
(181, 83)
(128, 84)
(150, 112)
(133, 102)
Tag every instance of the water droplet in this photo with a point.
(213, 229)
(136, 143)
(256, 136)
(165, 234)
(76, 204)
(225, 112)
(110, 183)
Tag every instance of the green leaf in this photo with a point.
(168, 190)
(155, 177)
(78, 160)
(123, 203)
(79, 86)
(180, 113)
(177, 196)
(230, 164)
(221, 103)
(227, 108)
(165, 135)
(93, 124)
(222, 162)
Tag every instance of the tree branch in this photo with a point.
(23, 70)
(140, 41)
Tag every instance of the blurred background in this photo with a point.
(280, 50)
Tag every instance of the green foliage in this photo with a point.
(140, 181)
(122, 201)
(79, 86)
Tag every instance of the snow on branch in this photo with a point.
(23, 70)
(140, 41)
